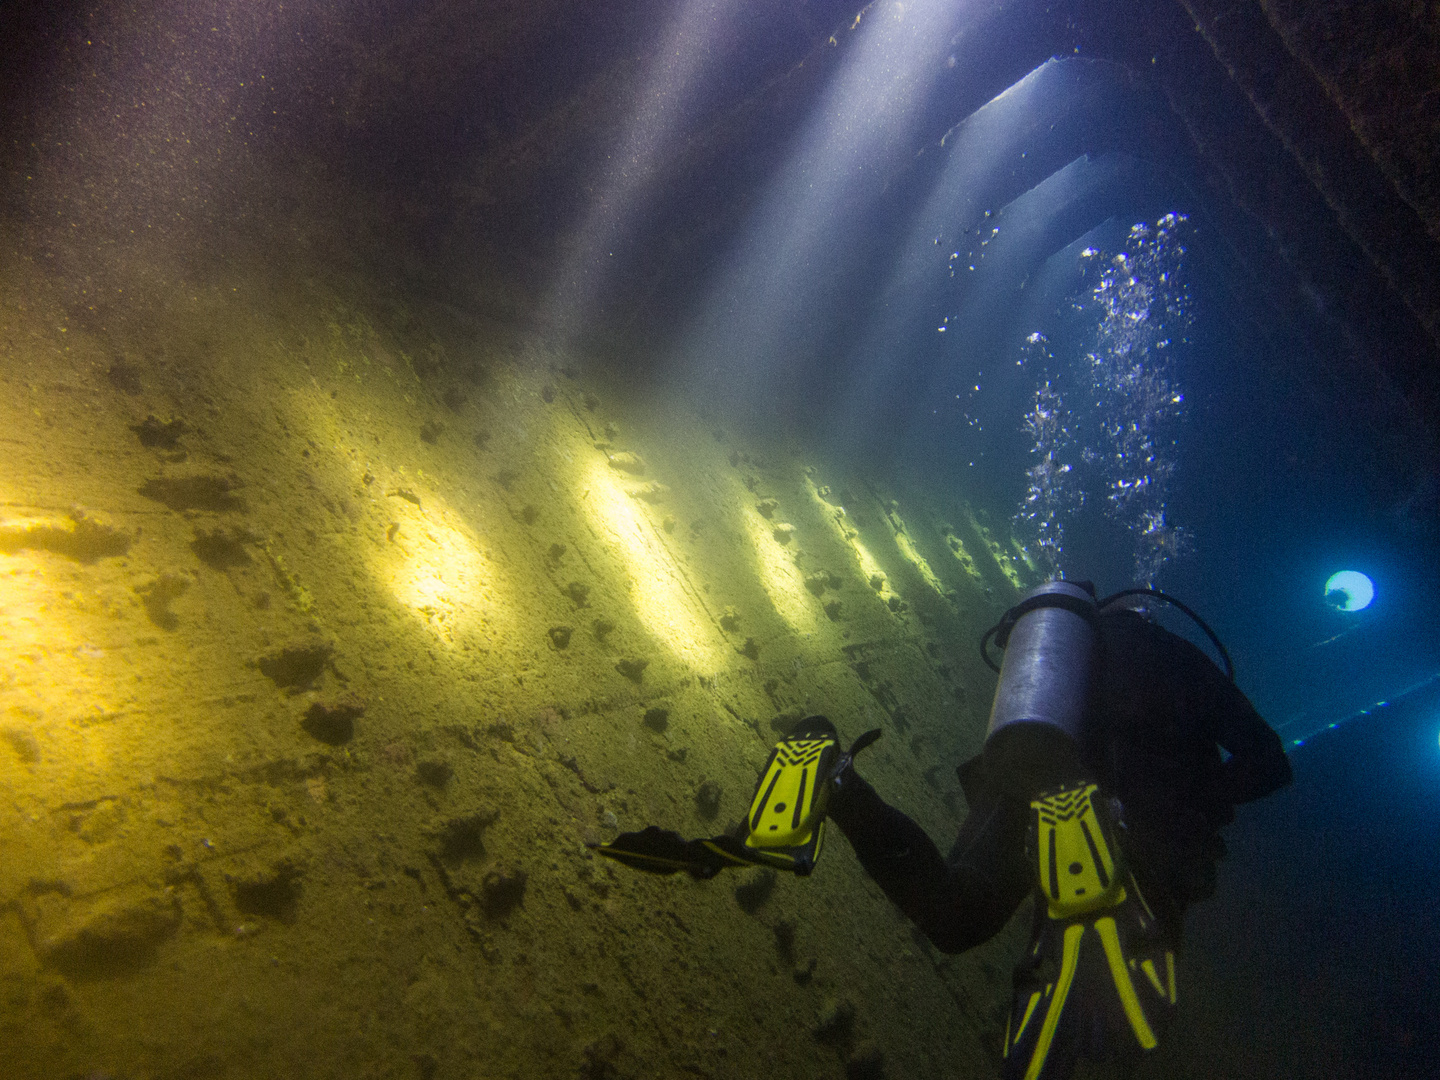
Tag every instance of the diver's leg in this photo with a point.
(990, 848)
(956, 905)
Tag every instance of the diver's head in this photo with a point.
(1135, 603)
(1088, 586)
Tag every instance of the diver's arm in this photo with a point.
(1257, 765)
(956, 906)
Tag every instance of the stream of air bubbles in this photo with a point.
(1107, 419)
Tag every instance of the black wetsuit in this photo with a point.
(1160, 713)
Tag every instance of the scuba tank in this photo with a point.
(1036, 721)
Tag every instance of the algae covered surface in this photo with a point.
(331, 642)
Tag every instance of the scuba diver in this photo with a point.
(1116, 752)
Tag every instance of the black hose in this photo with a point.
(1012, 616)
(1224, 655)
(985, 652)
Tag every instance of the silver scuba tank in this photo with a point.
(1036, 722)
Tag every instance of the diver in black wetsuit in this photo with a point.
(1116, 753)
(1150, 778)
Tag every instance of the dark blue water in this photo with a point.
(1316, 957)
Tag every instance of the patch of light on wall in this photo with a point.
(427, 556)
(869, 566)
(911, 554)
(434, 567)
(663, 598)
(781, 579)
(60, 668)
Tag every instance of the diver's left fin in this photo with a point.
(659, 851)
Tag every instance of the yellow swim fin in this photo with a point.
(784, 827)
(1099, 975)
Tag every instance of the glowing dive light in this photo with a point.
(1349, 590)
